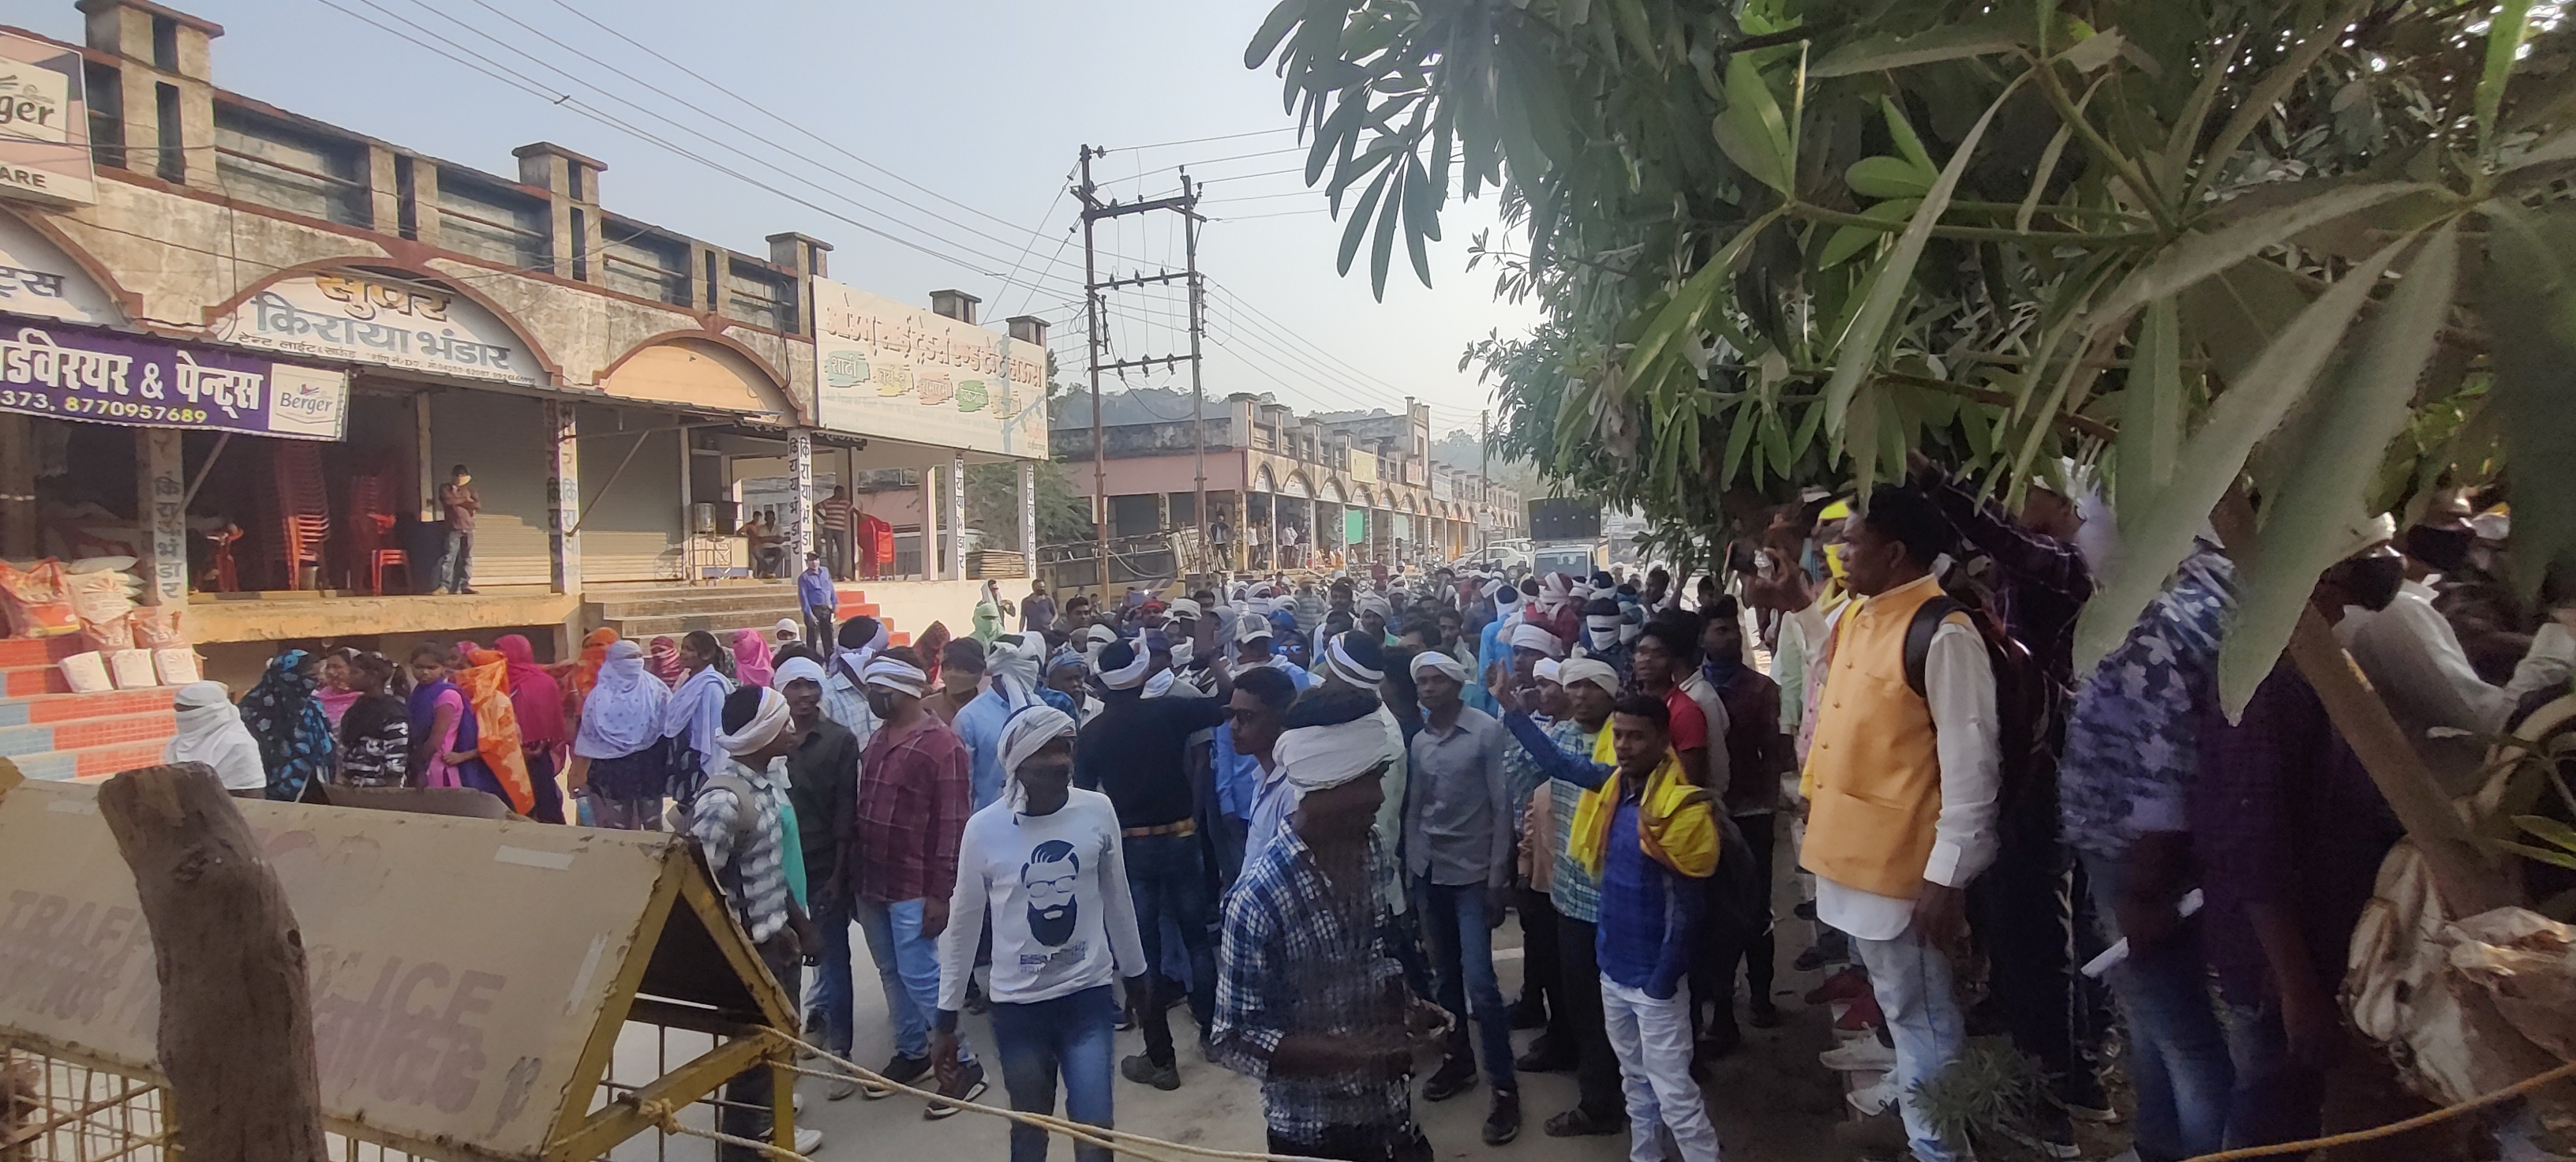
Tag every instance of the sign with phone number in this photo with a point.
(82, 373)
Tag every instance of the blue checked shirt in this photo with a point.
(1296, 960)
(1573, 890)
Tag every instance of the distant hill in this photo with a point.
(1460, 449)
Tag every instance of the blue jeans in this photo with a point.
(908, 967)
(455, 569)
(1462, 961)
(2276, 1100)
(1912, 982)
(1168, 878)
(827, 1007)
(1072, 1035)
(2178, 1060)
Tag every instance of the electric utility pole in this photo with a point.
(1096, 314)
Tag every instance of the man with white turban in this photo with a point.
(1314, 1006)
(739, 819)
(822, 780)
(1012, 663)
(1043, 865)
(1352, 660)
(1134, 752)
(914, 799)
(1458, 856)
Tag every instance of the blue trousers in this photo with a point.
(908, 967)
(1072, 1036)
(1462, 964)
(1167, 875)
(828, 1017)
(2178, 1056)
(455, 570)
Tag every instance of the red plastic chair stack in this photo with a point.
(303, 507)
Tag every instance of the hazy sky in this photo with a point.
(970, 110)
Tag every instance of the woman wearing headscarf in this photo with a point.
(585, 670)
(375, 734)
(694, 715)
(211, 732)
(538, 702)
(617, 762)
(663, 661)
(446, 741)
(751, 658)
(286, 720)
(485, 682)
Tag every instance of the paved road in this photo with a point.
(1772, 1103)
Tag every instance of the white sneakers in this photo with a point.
(808, 1140)
(1875, 1098)
(1858, 1054)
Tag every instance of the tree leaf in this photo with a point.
(2156, 540)
(1739, 434)
(2530, 295)
(1274, 28)
(1888, 177)
(1357, 228)
(2151, 410)
(1750, 130)
(2305, 521)
(2505, 31)
(1909, 145)
(1998, 32)
(2547, 830)
(1681, 314)
(1384, 248)
(2092, 52)
(1857, 348)
(1421, 216)
(2194, 257)
(1847, 241)
(2259, 100)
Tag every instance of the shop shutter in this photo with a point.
(631, 529)
(503, 439)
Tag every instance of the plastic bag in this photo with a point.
(132, 669)
(87, 673)
(157, 627)
(2529, 962)
(35, 600)
(98, 594)
(109, 636)
(177, 665)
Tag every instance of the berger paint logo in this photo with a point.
(307, 401)
(34, 102)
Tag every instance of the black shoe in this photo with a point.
(1720, 1041)
(1543, 1058)
(901, 1071)
(1763, 1014)
(1141, 1069)
(1503, 1117)
(1530, 1013)
(1456, 1075)
(1581, 1123)
(976, 1005)
(1810, 960)
(970, 1085)
(2080, 1092)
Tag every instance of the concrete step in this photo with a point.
(84, 734)
(682, 599)
(51, 708)
(91, 762)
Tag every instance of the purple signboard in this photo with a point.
(108, 377)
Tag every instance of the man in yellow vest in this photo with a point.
(1905, 771)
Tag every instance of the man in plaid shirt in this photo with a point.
(1308, 1001)
(914, 791)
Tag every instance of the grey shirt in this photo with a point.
(1457, 823)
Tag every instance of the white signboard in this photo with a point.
(903, 373)
(44, 123)
(38, 279)
(364, 318)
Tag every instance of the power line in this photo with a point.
(1188, 140)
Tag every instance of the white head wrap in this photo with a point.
(1592, 670)
(1184, 607)
(1554, 591)
(1547, 670)
(1440, 662)
(763, 729)
(1313, 758)
(797, 669)
(785, 631)
(1631, 630)
(1528, 636)
(1339, 658)
(1253, 627)
(895, 674)
(1160, 684)
(1374, 604)
(1182, 651)
(1014, 668)
(1134, 674)
(1028, 732)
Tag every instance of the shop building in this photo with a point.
(246, 347)
(1324, 490)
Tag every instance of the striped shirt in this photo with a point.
(748, 860)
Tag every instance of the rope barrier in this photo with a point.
(2417, 1122)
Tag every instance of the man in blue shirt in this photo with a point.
(816, 596)
(1255, 715)
(1644, 938)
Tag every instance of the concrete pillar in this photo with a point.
(563, 499)
(957, 517)
(800, 527)
(930, 523)
(1028, 498)
(161, 495)
(422, 461)
(18, 487)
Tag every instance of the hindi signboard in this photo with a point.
(81, 373)
(44, 123)
(38, 279)
(363, 318)
(903, 373)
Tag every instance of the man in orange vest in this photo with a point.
(1905, 769)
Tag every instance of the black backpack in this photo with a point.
(2028, 799)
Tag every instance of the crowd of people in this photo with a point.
(1301, 813)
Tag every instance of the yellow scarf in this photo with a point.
(1675, 823)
